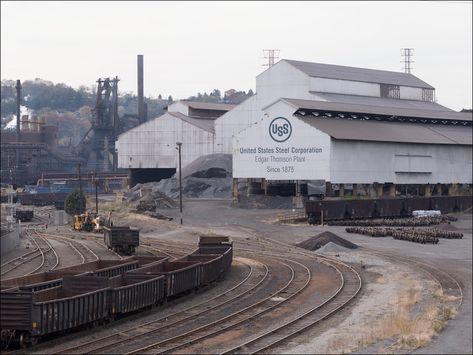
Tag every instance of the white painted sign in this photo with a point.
(281, 148)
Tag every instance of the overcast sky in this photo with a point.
(192, 47)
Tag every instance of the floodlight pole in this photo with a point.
(179, 144)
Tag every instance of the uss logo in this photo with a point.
(280, 129)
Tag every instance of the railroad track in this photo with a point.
(42, 249)
(85, 253)
(448, 284)
(282, 332)
(172, 254)
(47, 265)
(240, 313)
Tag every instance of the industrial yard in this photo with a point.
(315, 200)
(392, 299)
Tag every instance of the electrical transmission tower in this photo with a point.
(407, 53)
(270, 55)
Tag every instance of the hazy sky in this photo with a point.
(192, 47)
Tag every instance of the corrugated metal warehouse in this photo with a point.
(149, 150)
(310, 124)
(341, 128)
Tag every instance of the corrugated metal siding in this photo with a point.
(153, 144)
(357, 74)
(377, 110)
(391, 131)
(380, 101)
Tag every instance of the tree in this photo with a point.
(75, 203)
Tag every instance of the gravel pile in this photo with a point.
(148, 198)
(331, 247)
(324, 238)
(209, 176)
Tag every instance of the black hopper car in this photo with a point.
(35, 306)
(55, 199)
(123, 240)
(331, 210)
(24, 215)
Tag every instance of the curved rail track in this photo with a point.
(42, 248)
(240, 314)
(449, 285)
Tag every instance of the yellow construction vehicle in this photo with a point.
(83, 222)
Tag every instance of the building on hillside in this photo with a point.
(149, 150)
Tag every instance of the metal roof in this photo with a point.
(378, 110)
(202, 123)
(391, 132)
(382, 101)
(340, 72)
(208, 105)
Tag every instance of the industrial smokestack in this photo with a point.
(140, 89)
(18, 103)
(25, 123)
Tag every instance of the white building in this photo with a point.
(303, 140)
(345, 126)
(335, 124)
(149, 150)
(324, 82)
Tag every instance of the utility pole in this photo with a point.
(179, 144)
(407, 53)
(80, 189)
(96, 183)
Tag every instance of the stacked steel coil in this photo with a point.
(404, 222)
(422, 236)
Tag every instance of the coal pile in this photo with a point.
(322, 239)
(209, 176)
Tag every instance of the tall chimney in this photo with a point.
(140, 89)
(18, 103)
(25, 123)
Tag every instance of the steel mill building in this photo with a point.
(318, 128)
(149, 150)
